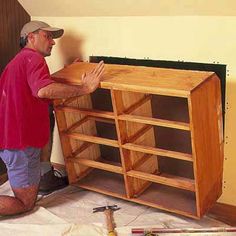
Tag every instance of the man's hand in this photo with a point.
(91, 80)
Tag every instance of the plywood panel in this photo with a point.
(66, 146)
(140, 79)
(207, 138)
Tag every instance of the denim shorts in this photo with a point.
(23, 166)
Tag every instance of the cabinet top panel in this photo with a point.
(151, 80)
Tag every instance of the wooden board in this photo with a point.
(141, 79)
(207, 142)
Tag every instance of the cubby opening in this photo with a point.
(104, 182)
(164, 138)
(161, 170)
(176, 167)
(101, 100)
(106, 130)
(91, 128)
(159, 165)
(98, 152)
(155, 106)
(97, 156)
(170, 108)
(98, 103)
(173, 139)
(165, 197)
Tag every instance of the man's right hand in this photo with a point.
(91, 80)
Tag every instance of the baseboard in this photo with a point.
(224, 212)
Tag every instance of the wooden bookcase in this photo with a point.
(148, 135)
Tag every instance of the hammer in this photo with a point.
(108, 210)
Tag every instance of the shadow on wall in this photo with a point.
(70, 46)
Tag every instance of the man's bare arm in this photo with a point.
(90, 82)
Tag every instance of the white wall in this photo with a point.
(196, 39)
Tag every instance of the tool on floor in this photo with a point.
(216, 231)
(108, 210)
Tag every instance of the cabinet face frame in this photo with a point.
(139, 168)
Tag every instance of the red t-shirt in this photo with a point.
(24, 118)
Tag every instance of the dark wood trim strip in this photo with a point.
(224, 213)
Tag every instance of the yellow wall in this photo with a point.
(197, 39)
(75, 8)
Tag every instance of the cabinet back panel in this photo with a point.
(173, 139)
(106, 130)
(170, 108)
(176, 167)
(110, 153)
(101, 100)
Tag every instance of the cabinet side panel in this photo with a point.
(207, 139)
(65, 143)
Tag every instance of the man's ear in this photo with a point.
(31, 37)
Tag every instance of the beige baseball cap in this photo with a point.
(36, 25)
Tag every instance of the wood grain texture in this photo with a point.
(118, 107)
(140, 79)
(66, 145)
(168, 198)
(158, 151)
(138, 103)
(164, 179)
(157, 122)
(12, 18)
(207, 142)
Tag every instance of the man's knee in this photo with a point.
(27, 196)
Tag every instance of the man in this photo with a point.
(25, 92)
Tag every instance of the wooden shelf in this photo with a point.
(106, 182)
(99, 164)
(92, 139)
(147, 135)
(153, 121)
(169, 198)
(170, 180)
(89, 112)
(158, 151)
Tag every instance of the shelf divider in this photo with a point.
(154, 121)
(93, 139)
(170, 180)
(98, 165)
(158, 151)
(85, 111)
